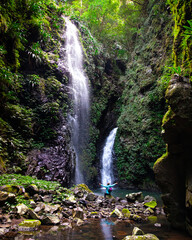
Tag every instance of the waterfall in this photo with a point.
(107, 159)
(73, 64)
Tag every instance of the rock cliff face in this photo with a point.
(173, 169)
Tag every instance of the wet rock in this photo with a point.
(116, 213)
(78, 213)
(149, 199)
(132, 197)
(137, 231)
(51, 220)
(126, 213)
(3, 231)
(32, 189)
(29, 225)
(21, 209)
(142, 237)
(33, 215)
(5, 196)
(12, 189)
(135, 217)
(47, 198)
(91, 197)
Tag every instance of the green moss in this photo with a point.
(152, 219)
(151, 204)
(159, 160)
(126, 212)
(84, 187)
(168, 116)
(30, 223)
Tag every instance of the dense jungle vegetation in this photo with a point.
(131, 48)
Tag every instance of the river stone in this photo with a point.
(51, 208)
(149, 198)
(32, 189)
(78, 213)
(116, 213)
(126, 212)
(12, 189)
(51, 220)
(3, 231)
(3, 196)
(91, 197)
(137, 231)
(132, 197)
(29, 225)
(47, 198)
(135, 217)
(142, 237)
(151, 204)
(21, 209)
(32, 214)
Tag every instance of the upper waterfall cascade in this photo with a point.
(107, 159)
(79, 87)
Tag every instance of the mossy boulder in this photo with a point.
(151, 204)
(116, 213)
(152, 219)
(12, 189)
(126, 212)
(29, 225)
(137, 231)
(142, 237)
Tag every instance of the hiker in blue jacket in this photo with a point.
(108, 189)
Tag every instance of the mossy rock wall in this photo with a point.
(173, 169)
(139, 142)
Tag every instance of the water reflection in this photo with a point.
(106, 226)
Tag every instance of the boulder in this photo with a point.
(5, 196)
(32, 189)
(32, 214)
(91, 197)
(148, 198)
(21, 209)
(142, 237)
(51, 220)
(116, 213)
(78, 213)
(47, 198)
(132, 197)
(137, 231)
(151, 204)
(29, 225)
(12, 189)
(126, 213)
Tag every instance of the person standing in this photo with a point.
(108, 189)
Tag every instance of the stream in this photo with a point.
(106, 228)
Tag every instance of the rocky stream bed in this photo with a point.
(69, 208)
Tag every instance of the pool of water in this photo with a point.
(103, 229)
(106, 229)
(117, 192)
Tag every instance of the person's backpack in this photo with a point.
(110, 189)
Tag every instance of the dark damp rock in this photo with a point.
(5, 196)
(78, 213)
(91, 197)
(13, 189)
(132, 197)
(137, 231)
(47, 198)
(135, 217)
(32, 189)
(50, 220)
(149, 198)
(33, 215)
(116, 213)
(69, 203)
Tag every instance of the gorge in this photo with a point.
(67, 83)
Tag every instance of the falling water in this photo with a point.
(107, 159)
(80, 93)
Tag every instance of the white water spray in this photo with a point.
(73, 64)
(107, 159)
